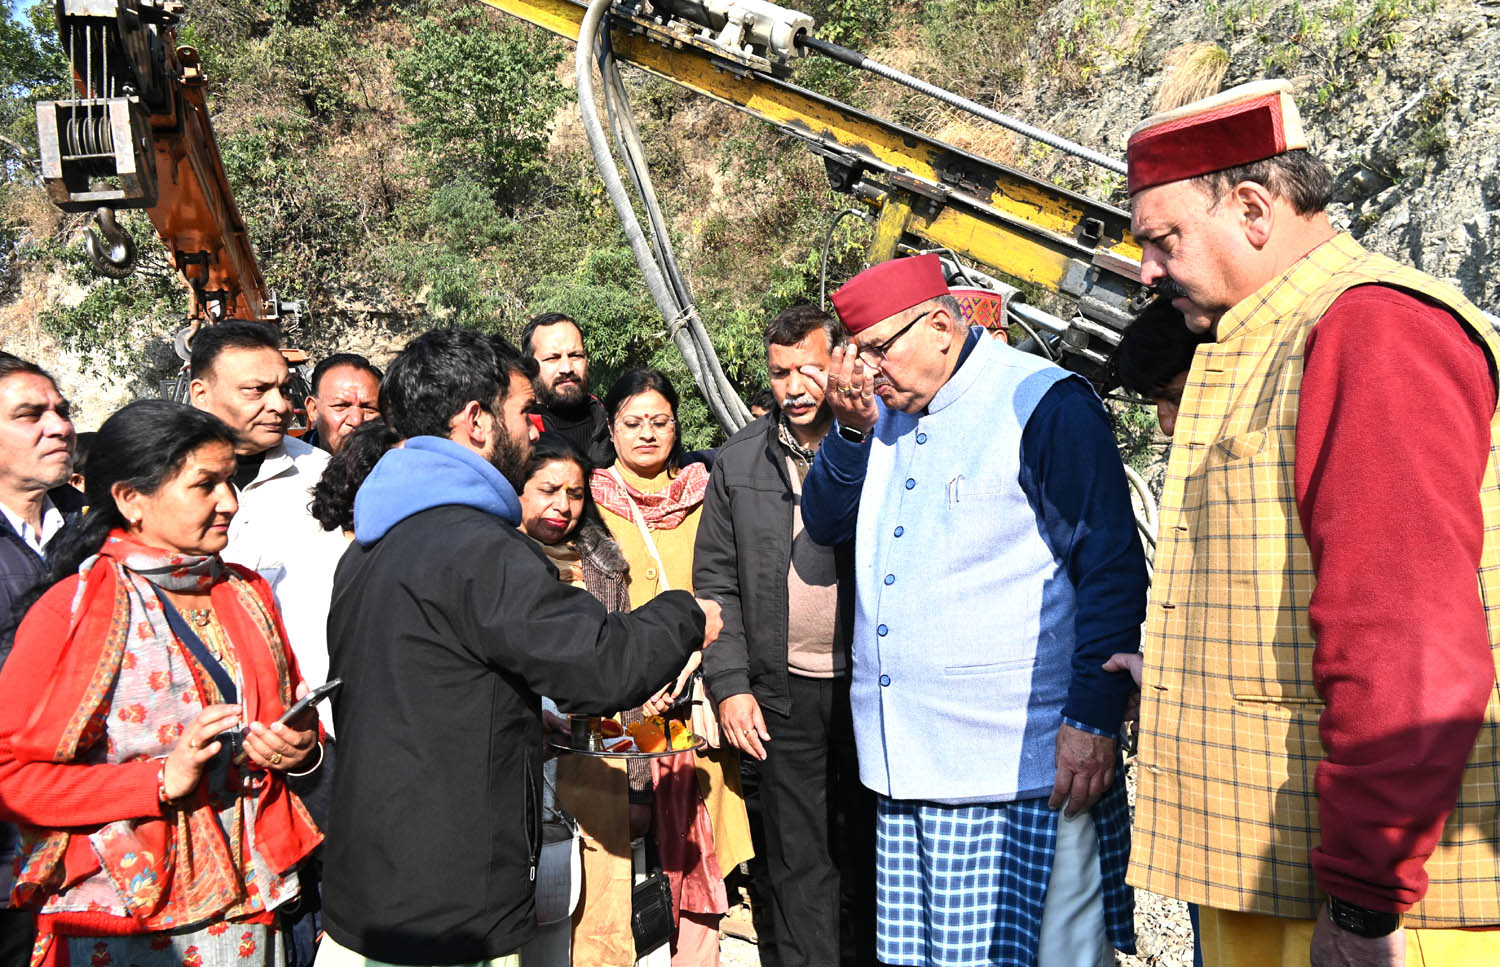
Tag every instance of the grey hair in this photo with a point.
(1294, 176)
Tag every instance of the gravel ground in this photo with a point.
(734, 952)
(1164, 938)
(1163, 932)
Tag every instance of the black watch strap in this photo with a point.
(1362, 921)
(852, 435)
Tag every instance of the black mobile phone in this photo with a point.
(310, 699)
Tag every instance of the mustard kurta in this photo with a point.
(1226, 809)
(675, 545)
(718, 769)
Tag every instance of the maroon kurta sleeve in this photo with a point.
(1392, 444)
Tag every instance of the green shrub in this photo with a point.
(482, 95)
(116, 318)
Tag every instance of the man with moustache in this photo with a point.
(345, 393)
(447, 626)
(36, 504)
(564, 403)
(997, 568)
(780, 668)
(36, 508)
(1320, 722)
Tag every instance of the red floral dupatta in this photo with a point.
(172, 870)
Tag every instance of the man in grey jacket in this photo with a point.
(780, 669)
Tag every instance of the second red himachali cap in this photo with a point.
(1239, 126)
(883, 290)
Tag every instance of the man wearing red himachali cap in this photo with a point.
(997, 569)
(1320, 747)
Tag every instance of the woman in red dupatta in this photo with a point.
(652, 504)
(137, 746)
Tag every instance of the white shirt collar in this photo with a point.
(52, 522)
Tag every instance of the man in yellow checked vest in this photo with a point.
(1320, 723)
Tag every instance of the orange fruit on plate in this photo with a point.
(648, 738)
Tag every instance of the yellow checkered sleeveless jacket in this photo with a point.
(1226, 812)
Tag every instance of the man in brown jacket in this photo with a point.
(1320, 749)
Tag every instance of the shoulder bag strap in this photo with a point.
(200, 651)
(705, 718)
(640, 522)
(560, 812)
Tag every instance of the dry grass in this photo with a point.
(29, 207)
(1194, 71)
(975, 135)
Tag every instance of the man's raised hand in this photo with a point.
(849, 388)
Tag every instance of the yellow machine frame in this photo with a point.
(927, 194)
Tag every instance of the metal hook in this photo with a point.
(118, 260)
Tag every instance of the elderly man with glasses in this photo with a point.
(997, 568)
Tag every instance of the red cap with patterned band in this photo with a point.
(1244, 124)
(883, 290)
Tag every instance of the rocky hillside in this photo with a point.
(1400, 98)
(414, 163)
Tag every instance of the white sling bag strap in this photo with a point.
(705, 719)
(559, 873)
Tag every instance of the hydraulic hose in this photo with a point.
(717, 390)
(855, 59)
(698, 354)
(1146, 519)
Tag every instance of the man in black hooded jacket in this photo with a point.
(447, 624)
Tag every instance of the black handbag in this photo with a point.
(651, 906)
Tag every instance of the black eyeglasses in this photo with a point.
(873, 356)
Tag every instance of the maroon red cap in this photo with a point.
(883, 290)
(1244, 124)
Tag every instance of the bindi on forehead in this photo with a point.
(648, 403)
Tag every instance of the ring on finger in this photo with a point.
(275, 758)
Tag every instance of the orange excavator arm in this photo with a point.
(195, 214)
(138, 135)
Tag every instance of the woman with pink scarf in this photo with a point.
(652, 505)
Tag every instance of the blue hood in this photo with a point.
(428, 472)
